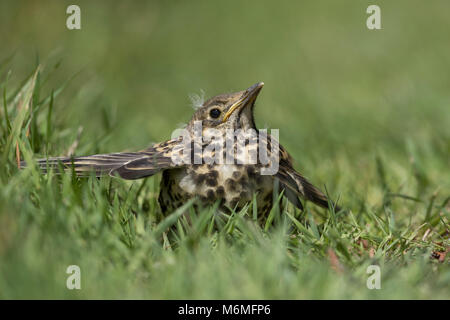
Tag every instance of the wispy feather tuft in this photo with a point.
(197, 100)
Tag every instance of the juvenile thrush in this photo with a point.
(190, 166)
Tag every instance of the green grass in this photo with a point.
(364, 113)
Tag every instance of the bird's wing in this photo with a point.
(296, 185)
(128, 165)
(164, 155)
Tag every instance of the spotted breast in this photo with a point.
(233, 185)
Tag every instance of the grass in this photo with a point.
(373, 126)
(111, 229)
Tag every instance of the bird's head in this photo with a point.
(229, 111)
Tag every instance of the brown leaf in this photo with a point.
(334, 261)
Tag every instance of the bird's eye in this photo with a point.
(214, 113)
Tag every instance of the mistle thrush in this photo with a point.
(194, 165)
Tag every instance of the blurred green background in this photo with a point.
(341, 95)
(327, 76)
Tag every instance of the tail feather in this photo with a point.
(313, 194)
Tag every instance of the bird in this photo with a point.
(193, 165)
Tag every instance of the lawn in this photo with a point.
(364, 113)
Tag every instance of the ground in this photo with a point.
(364, 113)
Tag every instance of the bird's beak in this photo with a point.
(247, 98)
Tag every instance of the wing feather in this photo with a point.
(129, 165)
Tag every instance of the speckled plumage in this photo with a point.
(232, 184)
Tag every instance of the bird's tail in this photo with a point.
(99, 164)
(313, 194)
